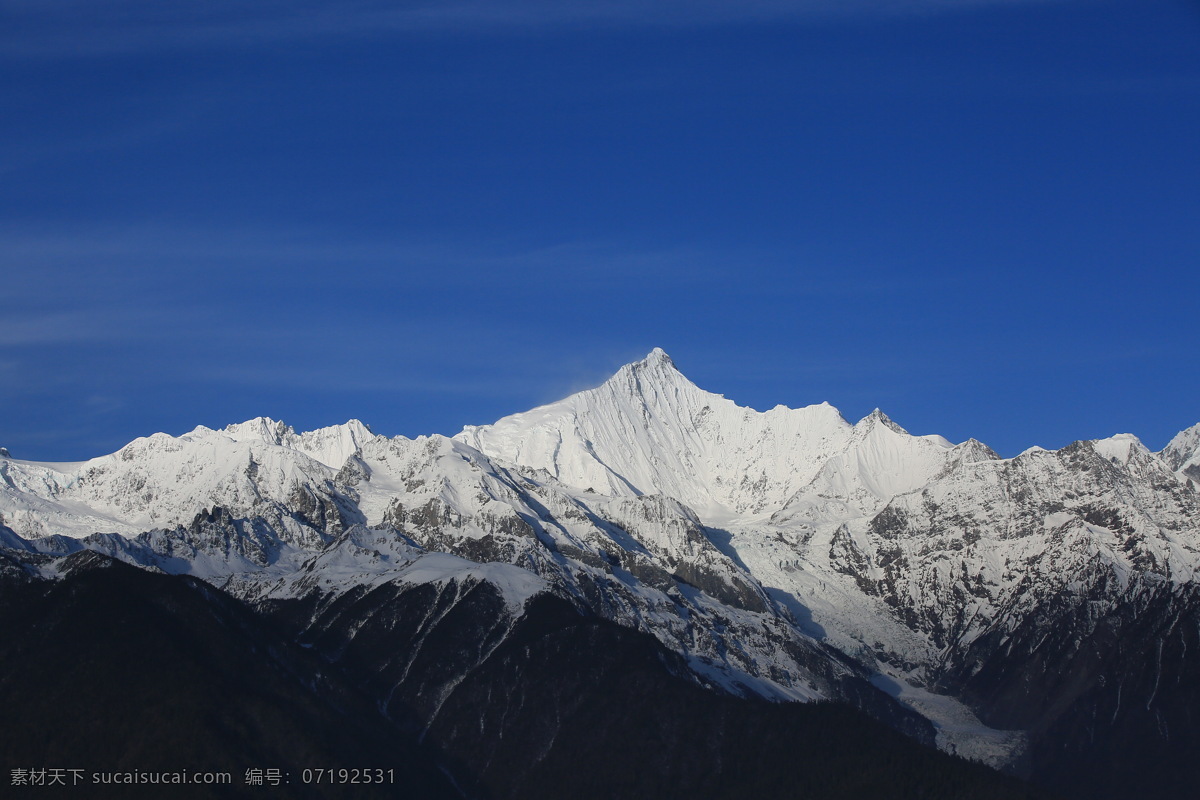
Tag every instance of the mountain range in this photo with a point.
(716, 573)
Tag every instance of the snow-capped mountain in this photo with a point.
(649, 430)
(789, 554)
(259, 468)
(1182, 453)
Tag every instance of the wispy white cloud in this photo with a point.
(332, 378)
(24, 329)
(129, 256)
(90, 27)
(100, 135)
(61, 261)
(248, 308)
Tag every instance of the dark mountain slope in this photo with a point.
(1108, 693)
(559, 702)
(114, 668)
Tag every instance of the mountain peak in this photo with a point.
(1182, 454)
(1184, 447)
(330, 446)
(658, 356)
(1119, 447)
(655, 376)
(656, 361)
(264, 428)
(649, 430)
(877, 417)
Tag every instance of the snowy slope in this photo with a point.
(649, 429)
(1182, 453)
(257, 468)
(329, 446)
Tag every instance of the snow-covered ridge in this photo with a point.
(162, 480)
(1182, 453)
(330, 446)
(649, 429)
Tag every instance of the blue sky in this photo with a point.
(982, 217)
